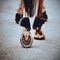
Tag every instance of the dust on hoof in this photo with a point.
(26, 39)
